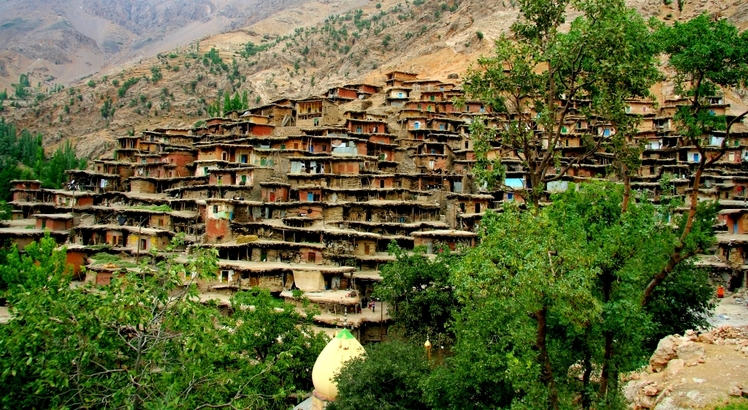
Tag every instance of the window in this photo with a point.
(510, 196)
(416, 125)
(143, 244)
(311, 257)
(215, 209)
(432, 98)
(244, 179)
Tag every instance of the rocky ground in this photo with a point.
(698, 370)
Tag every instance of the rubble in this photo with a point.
(696, 370)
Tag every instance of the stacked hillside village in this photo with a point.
(308, 194)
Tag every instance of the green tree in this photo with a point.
(388, 377)
(40, 265)
(64, 158)
(6, 212)
(707, 57)
(417, 288)
(156, 74)
(107, 109)
(146, 341)
(559, 287)
(543, 80)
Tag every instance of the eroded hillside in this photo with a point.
(289, 55)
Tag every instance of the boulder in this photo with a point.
(674, 367)
(691, 353)
(692, 336)
(664, 353)
(735, 391)
(706, 338)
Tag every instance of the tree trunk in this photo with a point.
(626, 188)
(676, 257)
(586, 397)
(544, 359)
(607, 287)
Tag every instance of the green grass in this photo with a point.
(157, 208)
(737, 404)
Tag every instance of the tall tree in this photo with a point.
(708, 56)
(558, 288)
(418, 291)
(542, 82)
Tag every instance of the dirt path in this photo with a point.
(732, 310)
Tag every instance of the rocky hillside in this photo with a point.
(298, 52)
(61, 42)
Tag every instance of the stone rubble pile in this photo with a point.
(673, 354)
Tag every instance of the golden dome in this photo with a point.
(341, 349)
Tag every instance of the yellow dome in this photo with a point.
(341, 349)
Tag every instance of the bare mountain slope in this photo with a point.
(299, 52)
(59, 42)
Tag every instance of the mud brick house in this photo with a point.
(398, 78)
(314, 112)
(308, 193)
(397, 96)
(54, 222)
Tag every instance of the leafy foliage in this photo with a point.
(40, 265)
(251, 49)
(418, 289)
(122, 90)
(551, 288)
(388, 377)
(22, 157)
(146, 341)
(607, 56)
